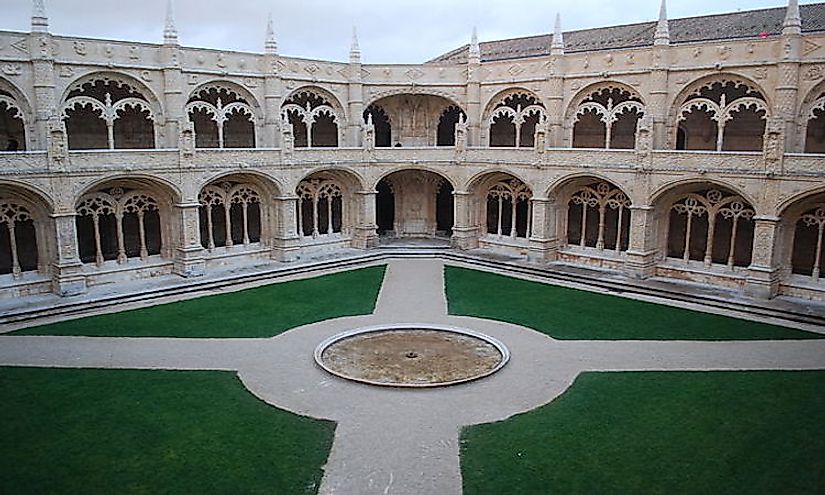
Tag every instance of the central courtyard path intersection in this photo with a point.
(405, 441)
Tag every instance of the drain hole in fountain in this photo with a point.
(381, 355)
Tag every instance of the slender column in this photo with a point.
(518, 134)
(600, 240)
(300, 218)
(710, 239)
(98, 250)
(245, 223)
(121, 245)
(818, 256)
(529, 219)
(144, 253)
(686, 254)
(608, 130)
(329, 215)
(15, 262)
(583, 240)
(210, 228)
(619, 229)
(220, 134)
(720, 135)
(732, 246)
(309, 134)
(500, 209)
(514, 205)
(228, 216)
(315, 216)
(110, 133)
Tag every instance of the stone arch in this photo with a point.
(16, 118)
(126, 217)
(415, 118)
(721, 112)
(374, 114)
(413, 91)
(501, 208)
(327, 203)
(422, 168)
(317, 117)
(511, 117)
(594, 213)
(236, 210)
(604, 115)
(225, 115)
(27, 242)
(802, 234)
(414, 202)
(108, 110)
(811, 127)
(707, 223)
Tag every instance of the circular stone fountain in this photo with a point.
(411, 355)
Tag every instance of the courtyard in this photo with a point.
(602, 394)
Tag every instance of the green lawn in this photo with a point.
(148, 432)
(571, 314)
(259, 312)
(659, 433)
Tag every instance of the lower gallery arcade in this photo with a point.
(700, 231)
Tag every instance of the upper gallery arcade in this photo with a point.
(688, 149)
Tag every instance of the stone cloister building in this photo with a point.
(687, 149)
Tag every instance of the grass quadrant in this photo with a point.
(572, 314)
(258, 312)
(134, 432)
(659, 433)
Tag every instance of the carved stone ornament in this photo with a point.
(58, 141)
(774, 151)
(186, 140)
(287, 139)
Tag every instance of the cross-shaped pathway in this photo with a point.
(405, 441)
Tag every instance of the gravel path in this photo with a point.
(402, 441)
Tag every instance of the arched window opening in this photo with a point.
(815, 134)
(314, 121)
(808, 245)
(514, 119)
(12, 126)
(385, 208)
(711, 226)
(446, 125)
(444, 210)
(598, 216)
(222, 118)
(230, 214)
(115, 224)
(320, 208)
(724, 116)
(107, 114)
(608, 118)
(509, 209)
(18, 240)
(383, 127)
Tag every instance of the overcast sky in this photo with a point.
(390, 31)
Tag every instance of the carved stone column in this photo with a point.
(189, 258)
(554, 88)
(273, 98)
(642, 250)
(285, 239)
(365, 234)
(67, 270)
(465, 234)
(764, 272)
(174, 99)
(544, 242)
(45, 100)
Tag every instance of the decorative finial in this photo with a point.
(170, 32)
(271, 44)
(557, 45)
(354, 49)
(662, 35)
(40, 22)
(475, 49)
(793, 21)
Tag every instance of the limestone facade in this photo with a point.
(696, 161)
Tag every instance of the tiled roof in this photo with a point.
(749, 24)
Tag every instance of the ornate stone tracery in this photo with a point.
(808, 243)
(608, 205)
(607, 118)
(118, 224)
(714, 222)
(509, 212)
(729, 111)
(320, 207)
(230, 214)
(22, 240)
(514, 118)
(12, 124)
(108, 112)
(222, 118)
(314, 121)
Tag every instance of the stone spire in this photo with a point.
(355, 48)
(170, 32)
(271, 44)
(793, 21)
(557, 46)
(474, 56)
(662, 36)
(40, 22)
